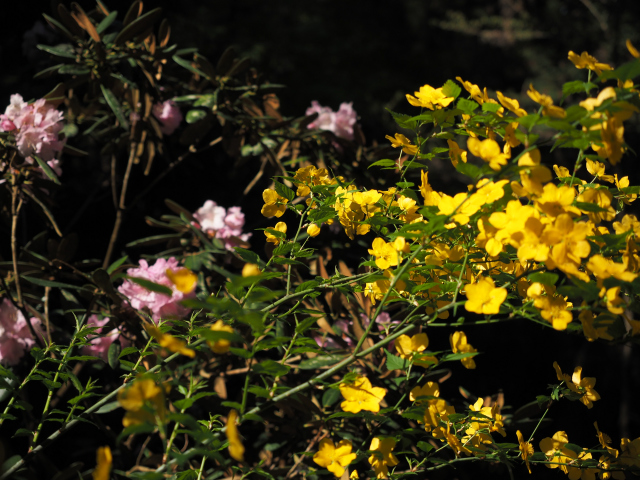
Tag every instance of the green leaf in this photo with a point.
(271, 367)
(577, 86)
(73, 70)
(451, 89)
(469, 169)
(590, 207)
(383, 163)
(320, 361)
(188, 402)
(305, 324)
(113, 355)
(113, 267)
(467, 106)
(106, 22)
(64, 50)
(424, 446)
(194, 116)
(284, 191)
(48, 283)
(138, 26)
(113, 103)
(491, 107)
(544, 278)
(628, 71)
(187, 64)
(330, 397)
(47, 169)
(403, 121)
(396, 363)
(241, 352)
(247, 255)
(151, 286)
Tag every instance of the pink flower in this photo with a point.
(158, 304)
(15, 335)
(36, 127)
(99, 344)
(327, 342)
(223, 224)
(340, 122)
(169, 116)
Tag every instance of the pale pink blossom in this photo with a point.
(328, 342)
(221, 223)
(100, 342)
(169, 116)
(340, 123)
(15, 335)
(159, 305)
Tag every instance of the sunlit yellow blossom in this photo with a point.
(222, 345)
(600, 197)
(615, 304)
(592, 328)
(310, 176)
(553, 308)
(313, 230)
(360, 395)
(511, 104)
(584, 60)
(429, 97)
(548, 108)
(387, 254)
(526, 449)
(280, 227)
(557, 200)
(431, 197)
(407, 348)
(274, 204)
(170, 342)
(596, 169)
(401, 141)
(632, 50)
(429, 389)
(250, 270)
(334, 458)
(236, 449)
(354, 475)
(629, 223)
(103, 464)
(184, 279)
(584, 386)
(554, 449)
(461, 207)
(143, 401)
(561, 172)
(458, 341)
(456, 154)
(604, 268)
(484, 297)
(489, 151)
(382, 457)
(627, 198)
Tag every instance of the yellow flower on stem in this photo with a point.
(250, 270)
(143, 401)
(458, 341)
(404, 142)
(456, 154)
(103, 464)
(360, 395)
(334, 458)
(429, 97)
(511, 104)
(526, 450)
(382, 456)
(489, 151)
(222, 345)
(584, 387)
(484, 297)
(184, 279)
(236, 449)
(584, 60)
(548, 108)
(313, 230)
(280, 227)
(170, 342)
(429, 389)
(274, 204)
(407, 348)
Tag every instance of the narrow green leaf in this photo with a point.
(113, 103)
(151, 286)
(47, 169)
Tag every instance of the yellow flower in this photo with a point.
(103, 464)
(354, 475)
(360, 395)
(236, 449)
(143, 401)
(429, 389)
(313, 230)
(408, 347)
(382, 456)
(458, 341)
(274, 204)
(387, 254)
(548, 108)
(484, 297)
(489, 151)
(596, 169)
(584, 386)
(404, 142)
(431, 197)
(332, 458)
(250, 270)
(429, 97)
(632, 50)
(511, 104)
(584, 60)
(169, 342)
(310, 176)
(222, 345)
(526, 449)
(456, 154)
(184, 279)
(280, 227)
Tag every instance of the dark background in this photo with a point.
(373, 52)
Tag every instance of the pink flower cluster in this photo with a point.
(340, 123)
(99, 344)
(225, 224)
(15, 335)
(158, 304)
(36, 128)
(169, 116)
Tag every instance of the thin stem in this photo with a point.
(16, 205)
(175, 426)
